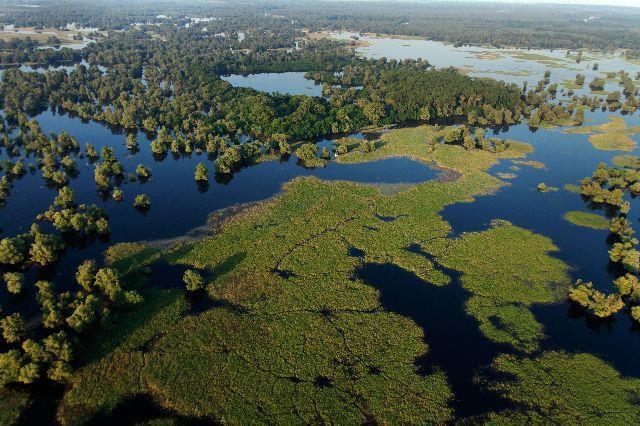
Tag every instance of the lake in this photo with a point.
(289, 83)
(510, 65)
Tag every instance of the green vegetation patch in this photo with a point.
(548, 61)
(628, 161)
(295, 336)
(126, 257)
(12, 403)
(561, 388)
(573, 188)
(612, 136)
(587, 220)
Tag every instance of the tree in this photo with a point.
(85, 275)
(59, 371)
(193, 280)
(13, 328)
(65, 198)
(10, 364)
(108, 281)
(12, 251)
(284, 148)
(453, 135)
(228, 161)
(143, 172)
(468, 143)
(325, 153)
(132, 141)
(202, 173)
(14, 281)
(373, 110)
(91, 152)
(58, 346)
(597, 84)
(44, 249)
(308, 155)
(35, 351)
(84, 314)
(142, 202)
(579, 116)
(628, 285)
(117, 194)
(367, 146)
(594, 301)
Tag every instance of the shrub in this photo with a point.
(15, 282)
(193, 280)
(142, 202)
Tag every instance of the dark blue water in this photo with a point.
(456, 346)
(290, 83)
(568, 158)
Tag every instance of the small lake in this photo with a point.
(290, 83)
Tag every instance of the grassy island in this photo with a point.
(587, 220)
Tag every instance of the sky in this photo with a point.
(635, 3)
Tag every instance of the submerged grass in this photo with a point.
(530, 163)
(295, 337)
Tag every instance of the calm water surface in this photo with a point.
(290, 83)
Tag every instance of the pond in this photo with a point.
(290, 83)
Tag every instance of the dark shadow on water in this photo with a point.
(356, 252)
(42, 411)
(455, 343)
(141, 409)
(167, 275)
(615, 340)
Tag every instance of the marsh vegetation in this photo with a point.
(388, 242)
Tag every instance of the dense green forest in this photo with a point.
(556, 26)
